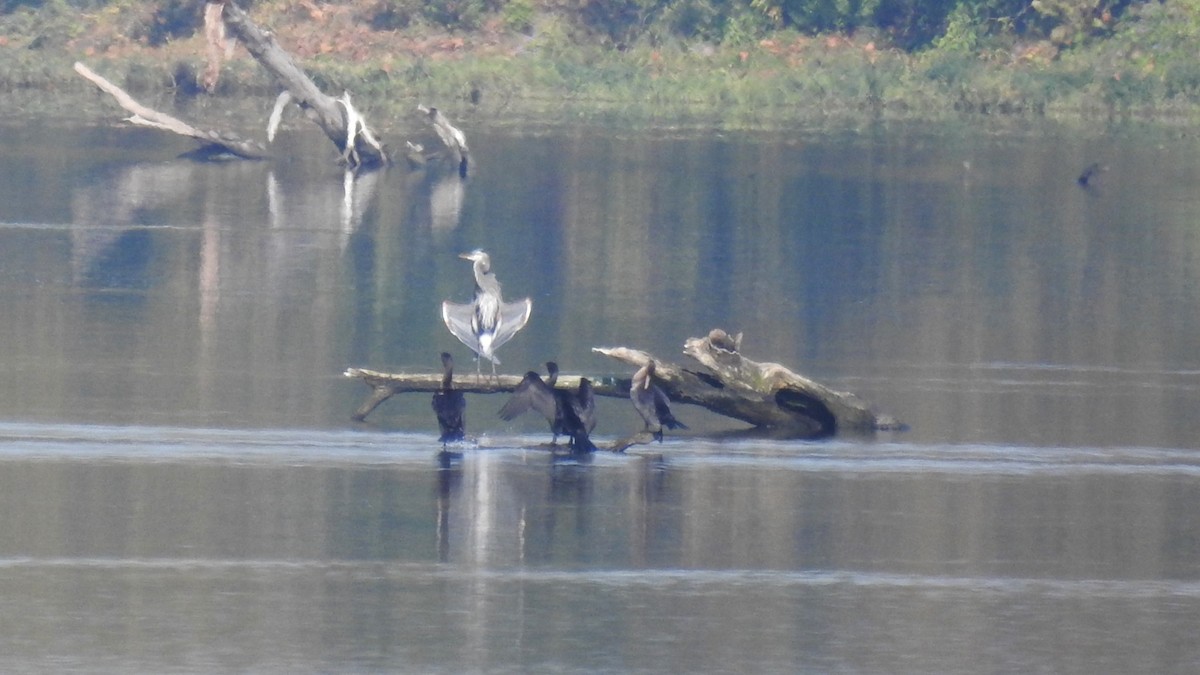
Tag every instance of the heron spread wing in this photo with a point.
(458, 319)
(513, 317)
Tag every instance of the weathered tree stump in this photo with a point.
(451, 136)
(764, 395)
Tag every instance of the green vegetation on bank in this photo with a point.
(736, 58)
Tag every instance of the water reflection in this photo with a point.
(226, 515)
(312, 550)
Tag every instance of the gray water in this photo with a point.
(182, 488)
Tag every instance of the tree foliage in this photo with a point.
(907, 24)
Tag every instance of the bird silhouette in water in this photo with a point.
(486, 323)
(651, 403)
(1090, 174)
(449, 404)
(569, 413)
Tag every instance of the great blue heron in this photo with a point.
(488, 322)
(569, 413)
(651, 403)
(449, 404)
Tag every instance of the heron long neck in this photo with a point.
(485, 281)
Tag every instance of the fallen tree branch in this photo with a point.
(765, 395)
(386, 385)
(148, 117)
(332, 116)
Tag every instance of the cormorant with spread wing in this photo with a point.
(569, 413)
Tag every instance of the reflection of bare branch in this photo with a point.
(152, 118)
(112, 207)
(358, 193)
(445, 203)
(281, 102)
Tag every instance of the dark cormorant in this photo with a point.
(449, 404)
(488, 322)
(569, 413)
(651, 403)
(1090, 173)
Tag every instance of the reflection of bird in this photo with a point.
(651, 403)
(449, 404)
(569, 413)
(488, 322)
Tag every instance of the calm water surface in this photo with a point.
(182, 488)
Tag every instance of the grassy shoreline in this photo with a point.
(786, 76)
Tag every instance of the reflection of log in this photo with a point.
(212, 141)
(766, 395)
(334, 116)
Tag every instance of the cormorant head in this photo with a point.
(641, 379)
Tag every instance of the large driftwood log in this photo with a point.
(211, 141)
(336, 116)
(765, 395)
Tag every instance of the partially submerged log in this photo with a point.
(765, 395)
(212, 142)
(385, 385)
